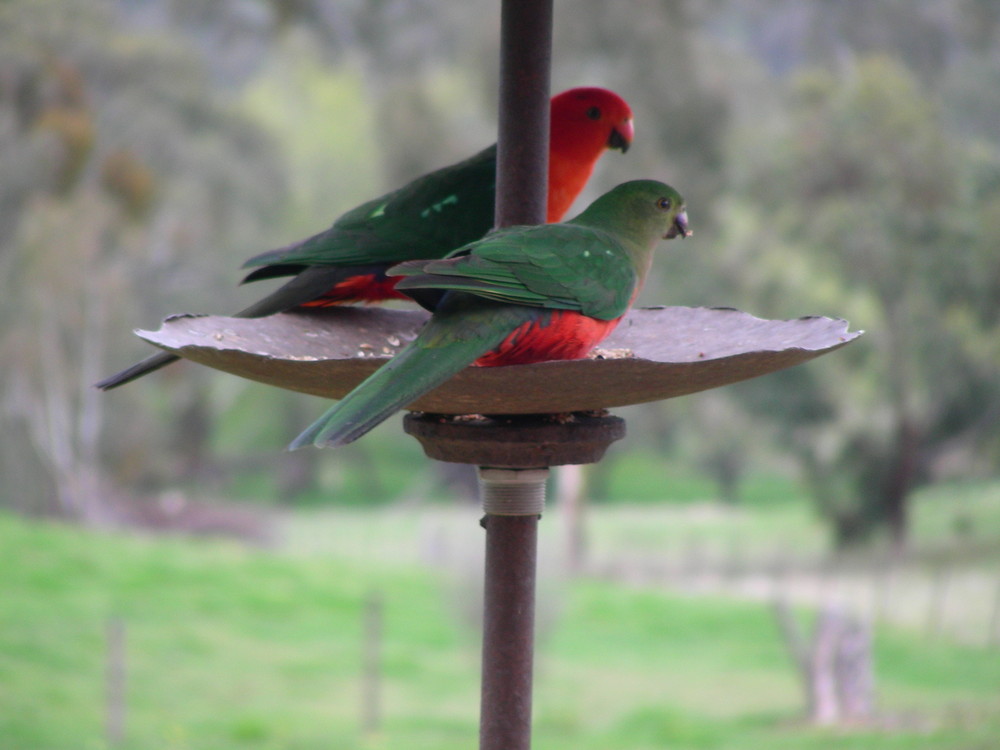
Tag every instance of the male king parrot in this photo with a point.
(519, 295)
(426, 218)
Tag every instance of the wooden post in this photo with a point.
(937, 600)
(993, 627)
(115, 681)
(371, 709)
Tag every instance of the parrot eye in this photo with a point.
(664, 204)
(594, 113)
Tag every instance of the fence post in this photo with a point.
(938, 599)
(371, 713)
(993, 627)
(115, 681)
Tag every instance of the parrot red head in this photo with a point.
(591, 119)
(585, 122)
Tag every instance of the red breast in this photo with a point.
(563, 334)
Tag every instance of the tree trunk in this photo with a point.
(571, 502)
(855, 673)
(899, 481)
(835, 666)
(298, 470)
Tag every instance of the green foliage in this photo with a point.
(965, 514)
(838, 159)
(864, 189)
(329, 137)
(146, 165)
(643, 476)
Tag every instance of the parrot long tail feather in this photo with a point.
(306, 286)
(410, 374)
(146, 366)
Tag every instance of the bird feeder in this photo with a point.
(552, 414)
(654, 354)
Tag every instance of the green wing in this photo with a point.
(427, 218)
(556, 266)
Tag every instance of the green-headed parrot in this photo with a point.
(427, 218)
(519, 295)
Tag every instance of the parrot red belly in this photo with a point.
(363, 288)
(563, 335)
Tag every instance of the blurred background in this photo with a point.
(838, 158)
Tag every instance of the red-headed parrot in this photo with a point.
(427, 218)
(519, 295)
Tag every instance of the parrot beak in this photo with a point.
(621, 136)
(679, 228)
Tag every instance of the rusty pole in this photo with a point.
(513, 499)
(523, 128)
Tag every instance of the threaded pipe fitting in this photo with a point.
(513, 492)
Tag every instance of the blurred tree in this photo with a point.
(659, 60)
(788, 35)
(864, 192)
(115, 149)
(724, 454)
(136, 176)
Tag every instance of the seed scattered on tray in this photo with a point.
(612, 354)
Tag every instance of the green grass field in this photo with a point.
(230, 647)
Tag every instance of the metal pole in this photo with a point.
(523, 127)
(513, 500)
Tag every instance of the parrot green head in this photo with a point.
(640, 213)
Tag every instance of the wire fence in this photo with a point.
(948, 592)
(957, 599)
